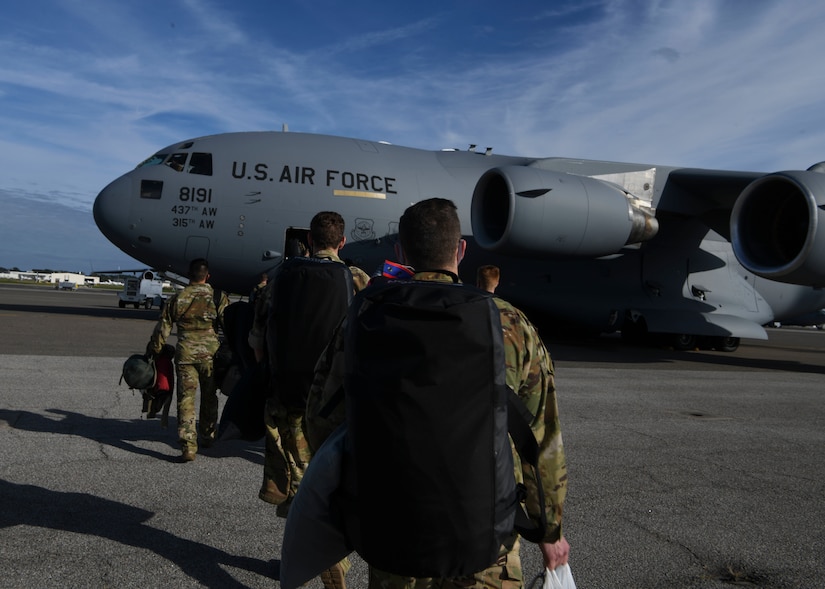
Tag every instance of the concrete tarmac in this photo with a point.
(692, 469)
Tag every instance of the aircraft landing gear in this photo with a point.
(725, 343)
(635, 332)
(683, 341)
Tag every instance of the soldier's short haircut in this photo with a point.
(198, 269)
(488, 277)
(429, 232)
(327, 230)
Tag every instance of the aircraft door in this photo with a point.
(295, 242)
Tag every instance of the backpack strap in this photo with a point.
(335, 399)
(518, 422)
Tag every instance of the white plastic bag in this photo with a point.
(561, 578)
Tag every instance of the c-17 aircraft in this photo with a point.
(600, 246)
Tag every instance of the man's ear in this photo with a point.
(462, 249)
(343, 242)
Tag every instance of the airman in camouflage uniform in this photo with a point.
(196, 313)
(529, 372)
(287, 453)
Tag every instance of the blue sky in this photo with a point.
(89, 89)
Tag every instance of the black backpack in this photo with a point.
(430, 490)
(310, 299)
(243, 413)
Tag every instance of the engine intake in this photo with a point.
(776, 231)
(519, 210)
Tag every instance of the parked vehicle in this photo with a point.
(145, 290)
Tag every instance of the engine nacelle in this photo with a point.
(519, 210)
(777, 227)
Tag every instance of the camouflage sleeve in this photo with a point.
(163, 327)
(223, 303)
(359, 278)
(530, 374)
(325, 403)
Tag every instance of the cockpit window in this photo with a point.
(151, 189)
(154, 160)
(177, 161)
(201, 163)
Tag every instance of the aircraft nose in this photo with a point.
(111, 210)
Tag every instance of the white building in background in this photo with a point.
(56, 278)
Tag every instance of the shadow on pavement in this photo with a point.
(81, 513)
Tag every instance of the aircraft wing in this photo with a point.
(119, 271)
(699, 192)
(148, 273)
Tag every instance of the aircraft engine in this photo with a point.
(775, 229)
(520, 210)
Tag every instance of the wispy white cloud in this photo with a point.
(377, 39)
(216, 24)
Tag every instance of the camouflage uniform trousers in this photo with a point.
(189, 377)
(286, 453)
(504, 574)
(286, 457)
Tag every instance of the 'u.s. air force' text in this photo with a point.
(306, 175)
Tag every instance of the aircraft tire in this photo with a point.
(726, 344)
(683, 341)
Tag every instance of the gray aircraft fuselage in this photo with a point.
(598, 245)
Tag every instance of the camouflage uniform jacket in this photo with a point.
(529, 372)
(194, 312)
(257, 335)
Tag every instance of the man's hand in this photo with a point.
(555, 554)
